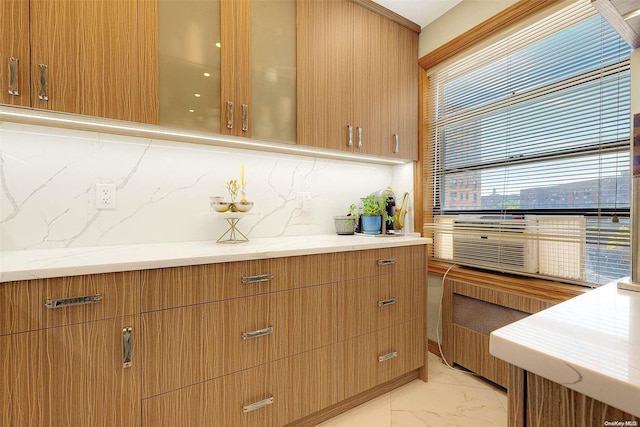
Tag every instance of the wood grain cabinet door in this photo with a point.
(15, 60)
(71, 376)
(86, 57)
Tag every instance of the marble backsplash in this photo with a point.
(48, 178)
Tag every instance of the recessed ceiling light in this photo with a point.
(207, 74)
(197, 95)
(218, 44)
(192, 111)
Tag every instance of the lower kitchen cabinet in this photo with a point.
(373, 359)
(266, 343)
(71, 376)
(268, 395)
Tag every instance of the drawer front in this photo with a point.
(274, 394)
(227, 336)
(307, 318)
(373, 359)
(44, 303)
(192, 344)
(180, 286)
(368, 304)
(374, 262)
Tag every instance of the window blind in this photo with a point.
(536, 126)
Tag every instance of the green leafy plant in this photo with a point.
(373, 206)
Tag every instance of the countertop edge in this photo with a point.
(49, 263)
(516, 344)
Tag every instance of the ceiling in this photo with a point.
(422, 12)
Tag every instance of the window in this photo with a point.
(538, 125)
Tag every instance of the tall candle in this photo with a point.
(242, 175)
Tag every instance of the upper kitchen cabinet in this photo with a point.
(229, 66)
(82, 57)
(14, 53)
(358, 80)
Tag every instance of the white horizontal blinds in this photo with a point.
(538, 123)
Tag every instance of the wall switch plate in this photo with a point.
(105, 196)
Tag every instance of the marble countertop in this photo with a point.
(44, 263)
(590, 344)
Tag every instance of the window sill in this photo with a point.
(544, 289)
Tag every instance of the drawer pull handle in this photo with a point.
(387, 302)
(126, 347)
(359, 137)
(260, 404)
(43, 82)
(396, 144)
(258, 333)
(386, 261)
(388, 356)
(349, 136)
(68, 302)
(257, 279)
(13, 77)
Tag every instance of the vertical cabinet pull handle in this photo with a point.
(387, 302)
(257, 405)
(43, 82)
(68, 302)
(229, 115)
(349, 136)
(388, 261)
(258, 333)
(396, 144)
(387, 356)
(245, 117)
(257, 279)
(13, 77)
(359, 137)
(126, 347)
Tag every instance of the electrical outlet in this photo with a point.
(105, 196)
(304, 201)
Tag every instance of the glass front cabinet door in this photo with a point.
(229, 67)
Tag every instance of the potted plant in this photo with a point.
(374, 210)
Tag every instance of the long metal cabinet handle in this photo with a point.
(43, 82)
(245, 117)
(257, 279)
(13, 77)
(388, 356)
(387, 302)
(257, 405)
(229, 115)
(349, 136)
(68, 302)
(359, 137)
(388, 261)
(126, 347)
(396, 144)
(258, 333)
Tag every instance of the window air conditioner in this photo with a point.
(498, 242)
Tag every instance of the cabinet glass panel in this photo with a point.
(273, 70)
(189, 64)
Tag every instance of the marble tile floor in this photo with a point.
(450, 398)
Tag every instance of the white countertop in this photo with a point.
(43, 263)
(590, 344)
